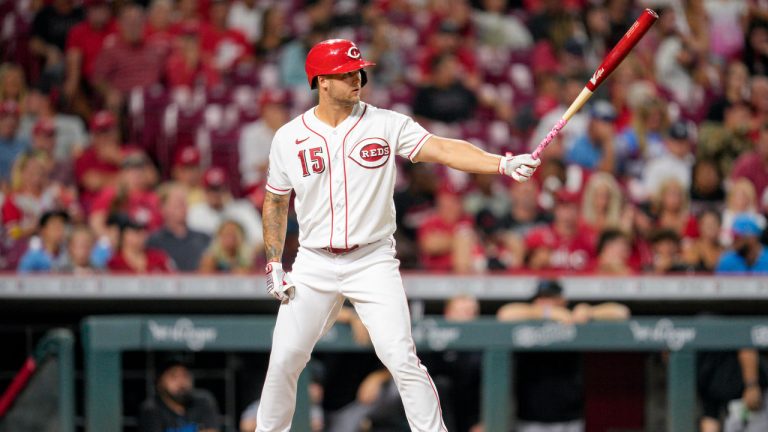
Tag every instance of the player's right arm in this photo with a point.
(275, 220)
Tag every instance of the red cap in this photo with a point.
(334, 56)
(566, 196)
(540, 238)
(188, 156)
(214, 178)
(44, 127)
(9, 107)
(102, 121)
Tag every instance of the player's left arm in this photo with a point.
(464, 156)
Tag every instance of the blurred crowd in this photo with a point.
(134, 136)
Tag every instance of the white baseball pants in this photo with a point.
(369, 277)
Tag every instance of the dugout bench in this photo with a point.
(105, 337)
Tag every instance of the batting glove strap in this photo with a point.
(520, 167)
(279, 284)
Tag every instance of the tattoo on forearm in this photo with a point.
(275, 220)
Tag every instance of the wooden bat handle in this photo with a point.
(575, 106)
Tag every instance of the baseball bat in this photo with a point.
(609, 64)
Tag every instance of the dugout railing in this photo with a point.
(59, 344)
(106, 337)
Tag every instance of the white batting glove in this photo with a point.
(279, 284)
(520, 167)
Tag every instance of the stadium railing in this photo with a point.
(105, 337)
(58, 343)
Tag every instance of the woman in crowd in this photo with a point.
(228, 252)
(601, 202)
(740, 198)
(702, 249)
(670, 207)
(79, 248)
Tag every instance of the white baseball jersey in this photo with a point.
(344, 177)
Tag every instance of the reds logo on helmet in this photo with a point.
(353, 52)
(371, 153)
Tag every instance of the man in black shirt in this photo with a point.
(177, 406)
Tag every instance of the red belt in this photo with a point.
(338, 251)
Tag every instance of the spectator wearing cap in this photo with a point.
(177, 405)
(676, 162)
(71, 137)
(84, 44)
(99, 164)
(188, 66)
(438, 236)
(50, 28)
(131, 194)
(256, 137)
(184, 245)
(219, 205)
(47, 249)
(188, 172)
(753, 165)
(132, 254)
(549, 387)
(10, 145)
(31, 194)
(44, 141)
(594, 149)
(126, 61)
(571, 244)
(746, 254)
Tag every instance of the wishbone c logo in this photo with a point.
(353, 52)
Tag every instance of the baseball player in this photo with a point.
(339, 160)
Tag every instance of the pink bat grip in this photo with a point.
(548, 139)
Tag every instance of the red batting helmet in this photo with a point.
(334, 56)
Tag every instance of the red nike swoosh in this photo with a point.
(298, 141)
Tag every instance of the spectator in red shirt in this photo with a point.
(132, 255)
(571, 243)
(754, 165)
(439, 234)
(44, 140)
(158, 30)
(446, 40)
(99, 164)
(188, 66)
(227, 46)
(127, 61)
(132, 194)
(84, 43)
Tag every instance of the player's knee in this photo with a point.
(399, 360)
(288, 360)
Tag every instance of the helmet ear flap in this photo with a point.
(363, 78)
(313, 84)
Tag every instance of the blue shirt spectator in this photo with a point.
(46, 252)
(10, 145)
(587, 150)
(747, 255)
